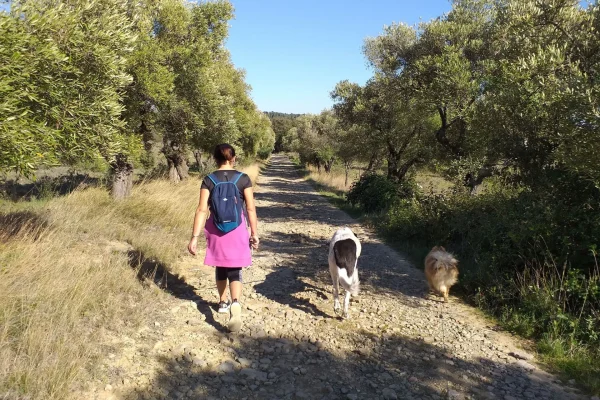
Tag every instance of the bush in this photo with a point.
(375, 193)
(264, 153)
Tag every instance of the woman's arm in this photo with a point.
(199, 220)
(251, 209)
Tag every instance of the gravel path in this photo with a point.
(396, 345)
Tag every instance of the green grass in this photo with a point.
(578, 363)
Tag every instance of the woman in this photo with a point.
(228, 252)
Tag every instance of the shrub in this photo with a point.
(264, 153)
(375, 193)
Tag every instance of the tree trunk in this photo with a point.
(473, 182)
(392, 168)
(372, 162)
(396, 170)
(182, 169)
(198, 157)
(441, 133)
(122, 177)
(404, 168)
(347, 166)
(178, 169)
(173, 174)
(148, 139)
(14, 193)
(319, 167)
(328, 166)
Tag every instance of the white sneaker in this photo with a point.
(235, 321)
(224, 306)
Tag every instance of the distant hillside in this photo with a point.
(275, 114)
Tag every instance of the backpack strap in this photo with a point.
(237, 178)
(213, 178)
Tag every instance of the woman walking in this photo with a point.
(224, 193)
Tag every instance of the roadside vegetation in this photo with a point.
(94, 97)
(478, 131)
(70, 268)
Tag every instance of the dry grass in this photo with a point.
(431, 182)
(335, 179)
(65, 277)
(253, 171)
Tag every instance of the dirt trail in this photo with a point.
(396, 345)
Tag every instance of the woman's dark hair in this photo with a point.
(223, 152)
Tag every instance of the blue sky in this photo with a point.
(294, 52)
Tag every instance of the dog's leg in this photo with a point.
(444, 291)
(336, 294)
(346, 304)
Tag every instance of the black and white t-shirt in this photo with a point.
(225, 176)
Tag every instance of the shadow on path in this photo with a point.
(21, 223)
(390, 368)
(150, 269)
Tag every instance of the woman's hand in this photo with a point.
(193, 245)
(254, 241)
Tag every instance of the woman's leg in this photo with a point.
(235, 287)
(221, 278)
(235, 283)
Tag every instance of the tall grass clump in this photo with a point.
(335, 179)
(57, 292)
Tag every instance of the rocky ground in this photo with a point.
(397, 344)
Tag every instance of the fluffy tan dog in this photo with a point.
(441, 270)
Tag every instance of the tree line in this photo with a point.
(108, 80)
(492, 87)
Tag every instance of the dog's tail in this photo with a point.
(349, 283)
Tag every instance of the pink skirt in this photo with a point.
(231, 249)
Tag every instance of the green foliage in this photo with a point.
(63, 72)
(26, 141)
(374, 193)
(263, 154)
(314, 139)
(281, 123)
(383, 122)
(83, 80)
(527, 255)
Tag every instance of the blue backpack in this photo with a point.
(226, 204)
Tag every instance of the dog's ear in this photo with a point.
(442, 248)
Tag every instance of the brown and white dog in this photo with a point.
(344, 250)
(441, 270)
